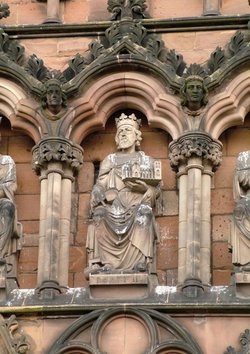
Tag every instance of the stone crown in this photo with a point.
(128, 120)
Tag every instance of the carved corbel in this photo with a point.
(194, 156)
(12, 340)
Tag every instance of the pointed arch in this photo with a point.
(18, 108)
(122, 90)
(230, 107)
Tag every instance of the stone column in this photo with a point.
(211, 7)
(56, 160)
(53, 11)
(194, 156)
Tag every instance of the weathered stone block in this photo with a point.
(98, 146)
(222, 201)
(97, 10)
(27, 181)
(170, 203)
(238, 140)
(84, 206)
(119, 286)
(221, 257)
(223, 178)
(28, 207)
(168, 227)
(31, 227)
(178, 8)
(221, 227)
(67, 47)
(20, 148)
(27, 280)
(28, 259)
(167, 255)
(155, 144)
(221, 277)
(172, 277)
(77, 259)
(75, 11)
(85, 178)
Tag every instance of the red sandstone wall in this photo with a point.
(79, 11)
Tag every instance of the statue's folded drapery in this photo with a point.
(123, 230)
(7, 206)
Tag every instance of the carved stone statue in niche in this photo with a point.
(123, 232)
(9, 233)
(194, 97)
(54, 108)
(240, 237)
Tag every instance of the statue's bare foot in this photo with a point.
(107, 268)
(140, 267)
(93, 269)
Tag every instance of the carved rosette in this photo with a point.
(195, 144)
(57, 150)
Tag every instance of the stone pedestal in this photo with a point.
(242, 282)
(119, 286)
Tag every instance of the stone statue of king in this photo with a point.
(123, 231)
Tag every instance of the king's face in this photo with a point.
(126, 136)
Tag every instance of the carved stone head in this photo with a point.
(53, 97)
(128, 134)
(194, 94)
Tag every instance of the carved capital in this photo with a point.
(12, 338)
(56, 150)
(195, 144)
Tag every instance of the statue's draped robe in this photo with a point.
(123, 231)
(240, 235)
(7, 205)
(242, 221)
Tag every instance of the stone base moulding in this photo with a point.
(119, 286)
(242, 282)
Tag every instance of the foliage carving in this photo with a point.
(237, 43)
(4, 10)
(127, 8)
(245, 343)
(216, 60)
(36, 68)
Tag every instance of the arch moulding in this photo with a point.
(16, 105)
(229, 107)
(119, 91)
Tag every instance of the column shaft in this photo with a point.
(193, 219)
(182, 225)
(65, 215)
(42, 228)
